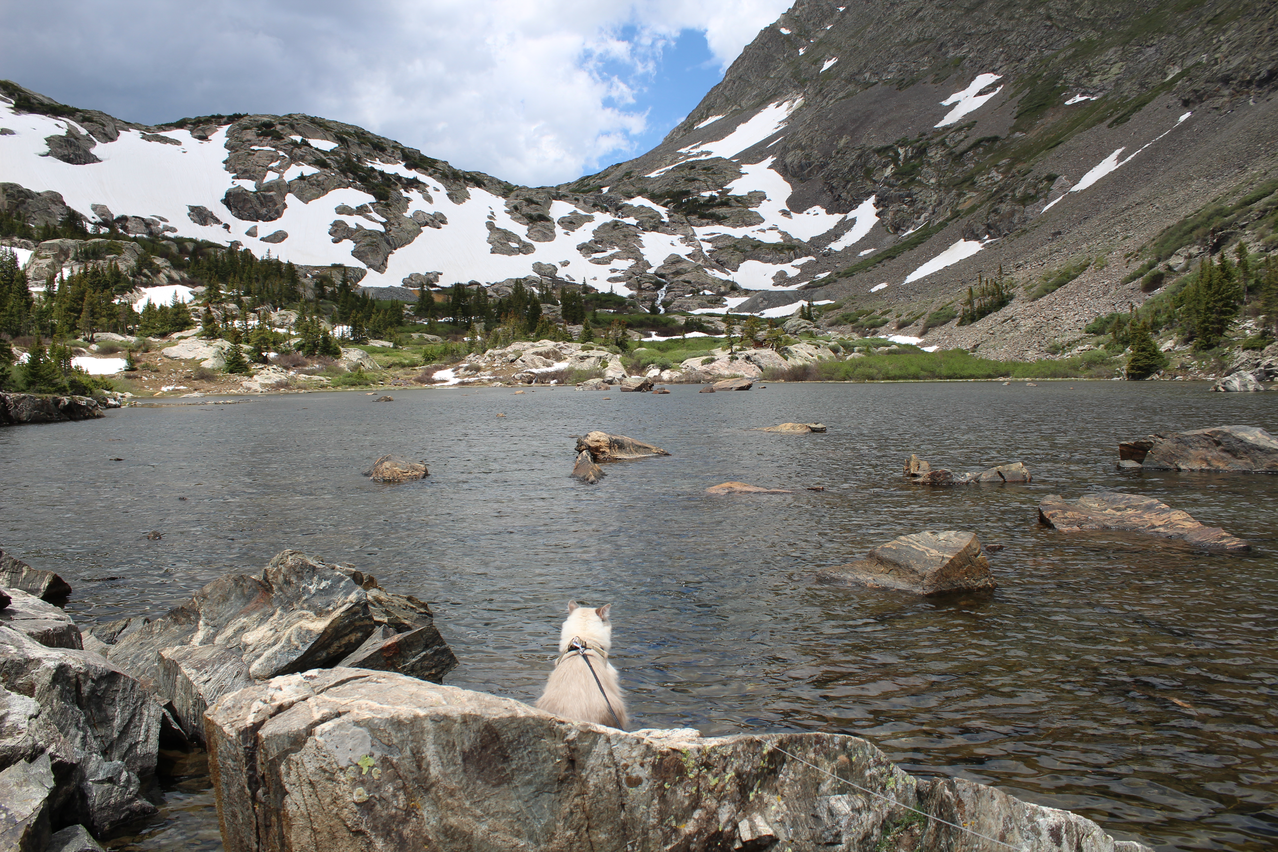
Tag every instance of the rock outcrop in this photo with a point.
(927, 563)
(298, 614)
(345, 760)
(1225, 449)
(46, 585)
(1239, 382)
(1113, 510)
(396, 469)
(605, 448)
(20, 408)
(45, 623)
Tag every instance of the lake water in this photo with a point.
(1133, 681)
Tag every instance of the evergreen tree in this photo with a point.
(235, 360)
(40, 374)
(1269, 297)
(1145, 359)
(587, 331)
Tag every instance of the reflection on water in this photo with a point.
(1128, 679)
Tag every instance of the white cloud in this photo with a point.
(532, 91)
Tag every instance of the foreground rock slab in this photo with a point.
(605, 448)
(346, 760)
(1113, 510)
(395, 469)
(299, 613)
(926, 563)
(1231, 449)
(43, 622)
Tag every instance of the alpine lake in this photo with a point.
(1127, 678)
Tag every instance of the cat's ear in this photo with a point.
(572, 606)
(603, 611)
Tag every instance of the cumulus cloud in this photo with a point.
(532, 91)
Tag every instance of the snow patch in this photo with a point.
(961, 250)
(98, 366)
(160, 296)
(969, 99)
(1078, 99)
(709, 121)
(319, 144)
(877, 287)
(763, 124)
(867, 215)
(828, 63)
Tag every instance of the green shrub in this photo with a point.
(1055, 279)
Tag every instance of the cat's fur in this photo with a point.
(571, 691)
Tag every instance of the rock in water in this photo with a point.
(743, 488)
(1239, 382)
(928, 563)
(609, 448)
(585, 469)
(919, 471)
(346, 760)
(19, 408)
(16, 574)
(1226, 449)
(396, 469)
(733, 385)
(635, 384)
(1113, 510)
(795, 428)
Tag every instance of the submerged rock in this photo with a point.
(927, 563)
(609, 448)
(743, 488)
(395, 469)
(1226, 449)
(1113, 510)
(344, 760)
(795, 428)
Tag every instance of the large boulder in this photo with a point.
(107, 728)
(1239, 382)
(1113, 510)
(45, 623)
(927, 563)
(396, 469)
(635, 384)
(210, 353)
(585, 469)
(25, 809)
(1226, 449)
(739, 384)
(298, 614)
(46, 585)
(17, 409)
(343, 760)
(609, 448)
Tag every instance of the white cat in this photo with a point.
(573, 692)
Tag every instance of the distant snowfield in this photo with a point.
(766, 122)
(961, 250)
(969, 100)
(98, 366)
(1111, 164)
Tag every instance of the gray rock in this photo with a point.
(25, 811)
(4, 599)
(1013, 472)
(1233, 449)
(201, 215)
(585, 469)
(733, 385)
(795, 428)
(396, 469)
(298, 614)
(261, 206)
(37, 209)
(45, 623)
(1239, 382)
(108, 727)
(73, 838)
(345, 760)
(418, 653)
(20, 408)
(72, 147)
(927, 563)
(635, 384)
(1113, 510)
(609, 448)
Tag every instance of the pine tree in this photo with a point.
(1146, 358)
(40, 374)
(235, 360)
(587, 331)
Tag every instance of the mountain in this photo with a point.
(875, 158)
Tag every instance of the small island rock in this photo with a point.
(609, 448)
(394, 469)
(1113, 510)
(743, 488)
(927, 563)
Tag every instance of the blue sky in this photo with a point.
(531, 91)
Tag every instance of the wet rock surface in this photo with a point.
(1237, 449)
(396, 469)
(926, 563)
(604, 448)
(1113, 510)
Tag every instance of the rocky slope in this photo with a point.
(876, 156)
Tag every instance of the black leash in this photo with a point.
(581, 648)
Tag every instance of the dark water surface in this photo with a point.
(1133, 681)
